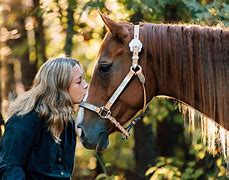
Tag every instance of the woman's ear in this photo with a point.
(115, 28)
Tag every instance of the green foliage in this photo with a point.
(199, 165)
(210, 14)
(94, 4)
(159, 109)
(159, 11)
(185, 161)
(164, 168)
(104, 176)
(189, 11)
(120, 157)
(20, 49)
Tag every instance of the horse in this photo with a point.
(188, 63)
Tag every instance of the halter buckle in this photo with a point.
(104, 113)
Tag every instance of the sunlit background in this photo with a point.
(33, 31)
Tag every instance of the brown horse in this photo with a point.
(188, 63)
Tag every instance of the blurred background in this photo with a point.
(33, 31)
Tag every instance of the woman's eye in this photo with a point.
(104, 68)
(79, 81)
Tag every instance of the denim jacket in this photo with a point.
(28, 151)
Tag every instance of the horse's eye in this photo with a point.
(104, 68)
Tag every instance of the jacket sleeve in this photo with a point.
(15, 146)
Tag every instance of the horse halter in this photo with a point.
(135, 46)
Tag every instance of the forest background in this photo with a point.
(33, 31)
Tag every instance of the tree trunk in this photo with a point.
(70, 27)
(169, 135)
(39, 35)
(144, 149)
(8, 81)
(28, 69)
(10, 89)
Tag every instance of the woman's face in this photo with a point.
(78, 85)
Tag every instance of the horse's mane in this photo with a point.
(197, 58)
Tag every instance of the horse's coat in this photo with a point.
(188, 63)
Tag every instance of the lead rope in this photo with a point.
(138, 118)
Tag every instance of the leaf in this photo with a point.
(159, 164)
(101, 176)
(192, 163)
(150, 170)
(198, 173)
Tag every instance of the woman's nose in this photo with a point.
(85, 86)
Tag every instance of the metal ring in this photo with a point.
(138, 67)
(104, 110)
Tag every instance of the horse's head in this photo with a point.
(113, 64)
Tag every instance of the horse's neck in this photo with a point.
(185, 68)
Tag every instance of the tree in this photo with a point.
(70, 27)
(40, 41)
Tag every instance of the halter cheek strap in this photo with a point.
(135, 46)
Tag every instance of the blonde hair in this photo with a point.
(48, 95)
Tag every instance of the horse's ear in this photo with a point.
(115, 28)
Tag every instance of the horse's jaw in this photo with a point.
(102, 144)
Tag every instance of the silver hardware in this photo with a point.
(104, 113)
(135, 43)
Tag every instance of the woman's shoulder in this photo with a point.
(29, 119)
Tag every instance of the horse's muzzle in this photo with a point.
(99, 143)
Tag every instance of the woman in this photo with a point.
(39, 139)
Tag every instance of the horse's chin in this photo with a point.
(103, 142)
